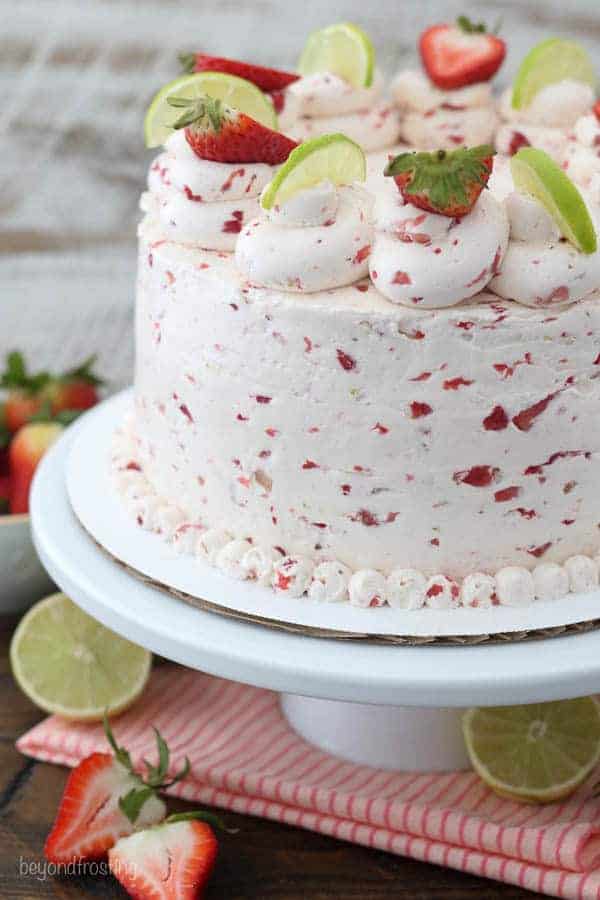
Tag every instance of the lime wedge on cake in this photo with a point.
(343, 50)
(549, 62)
(536, 174)
(538, 753)
(236, 92)
(331, 157)
(69, 664)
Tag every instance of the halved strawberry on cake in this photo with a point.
(449, 103)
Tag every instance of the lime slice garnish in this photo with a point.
(537, 753)
(343, 50)
(535, 173)
(551, 61)
(235, 92)
(69, 664)
(331, 157)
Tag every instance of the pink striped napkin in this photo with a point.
(245, 757)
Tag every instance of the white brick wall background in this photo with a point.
(75, 77)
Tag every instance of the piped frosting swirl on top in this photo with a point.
(545, 123)
(203, 202)
(582, 155)
(433, 118)
(318, 240)
(425, 260)
(328, 104)
(540, 268)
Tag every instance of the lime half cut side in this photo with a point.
(538, 753)
(551, 61)
(235, 92)
(331, 157)
(343, 50)
(69, 664)
(536, 174)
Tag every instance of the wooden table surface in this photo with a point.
(264, 860)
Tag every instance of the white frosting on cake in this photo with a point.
(203, 202)
(433, 119)
(546, 122)
(421, 259)
(540, 268)
(582, 155)
(328, 104)
(320, 239)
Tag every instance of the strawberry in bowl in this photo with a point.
(35, 408)
(449, 103)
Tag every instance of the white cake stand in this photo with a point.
(397, 707)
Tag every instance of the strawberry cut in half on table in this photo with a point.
(447, 182)
(172, 861)
(105, 799)
(220, 133)
(460, 54)
(266, 79)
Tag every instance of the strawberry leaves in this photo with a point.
(444, 182)
(156, 776)
(16, 377)
(203, 112)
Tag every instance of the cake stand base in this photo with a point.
(390, 706)
(409, 739)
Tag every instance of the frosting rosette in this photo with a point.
(202, 202)
(327, 103)
(546, 121)
(540, 268)
(431, 261)
(433, 118)
(319, 239)
(582, 154)
(441, 238)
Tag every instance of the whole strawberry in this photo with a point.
(77, 389)
(266, 79)
(24, 398)
(25, 452)
(444, 182)
(220, 133)
(461, 54)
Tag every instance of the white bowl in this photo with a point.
(23, 580)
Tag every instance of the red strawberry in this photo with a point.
(444, 182)
(76, 389)
(24, 398)
(104, 800)
(596, 109)
(217, 132)
(264, 78)
(26, 450)
(172, 861)
(461, 54)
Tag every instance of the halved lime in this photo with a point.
(331, 157)
(549, 62)
(342, 49)
(538, 753)
(536, 174)
(236, 92)
(69, 664)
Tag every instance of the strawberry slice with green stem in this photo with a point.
(220, 133)
(444, 182)
(266, 79)
(171, 861)
(455, 56)
(106, 799)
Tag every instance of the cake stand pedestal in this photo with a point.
(396, 707)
